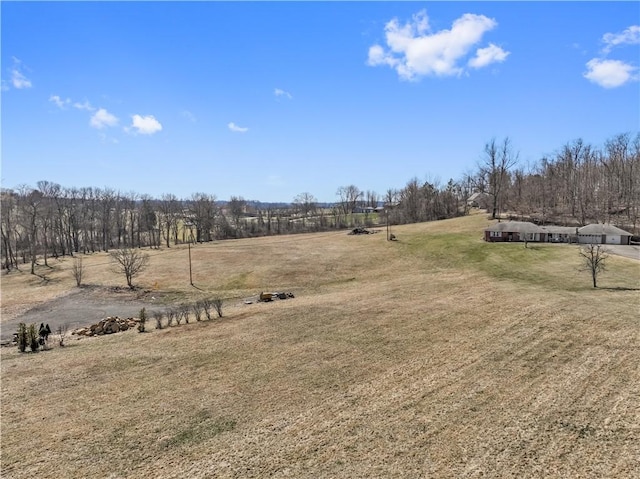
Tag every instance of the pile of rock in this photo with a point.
(110, 325)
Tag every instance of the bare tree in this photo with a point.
(129, 262)
(30, 203)
(8, 228)
(499, 158)
(170, 210)
(237, 206)
(594, 257)
(305, 204)
(349, 196)
(202, 212)
(77, 270)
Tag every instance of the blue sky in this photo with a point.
(268, 100)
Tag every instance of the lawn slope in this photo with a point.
(438, 355)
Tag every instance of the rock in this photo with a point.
(111, 327)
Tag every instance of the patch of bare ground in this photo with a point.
(394, 360)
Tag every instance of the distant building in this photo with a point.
(479, 200)
(526, 231)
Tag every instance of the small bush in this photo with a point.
(183, 311)
(217, 305)
(143, 319)
(62, 332)
(158, 316)
(206, 307)
(197, 310)
(22, 337)
(33, 338)
(171, 314)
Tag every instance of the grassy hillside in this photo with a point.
(438, 355)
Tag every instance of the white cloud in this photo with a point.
(487, 56)
(630, 36)
(189, 116)
(278, 92)
(18, 80)
(59, 102)
(102, 118)
(83, 106)
(146, 125)
(233, 127)
(414, 52)
(610, 73)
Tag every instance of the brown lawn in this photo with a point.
(435, 356)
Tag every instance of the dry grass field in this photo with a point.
(438, 355)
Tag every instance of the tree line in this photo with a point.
(579, 184)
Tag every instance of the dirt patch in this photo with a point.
(83, 308)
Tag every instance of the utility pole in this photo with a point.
(189, 245)
(387, 211)
(190, 273)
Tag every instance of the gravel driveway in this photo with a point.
(629, 251)
(78, 309)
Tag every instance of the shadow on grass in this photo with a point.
(618, 288)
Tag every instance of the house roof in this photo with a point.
(477, 195)
(602, 229)
(516, 227)
(563, 230)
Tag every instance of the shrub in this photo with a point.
(33, 337)
(197, 310)
(217, 305)
(22, 337)
(143, 319)
(62, 332)
(171, 314)
(77, 270)
(183, 311)
(206, 307)
(158, 315)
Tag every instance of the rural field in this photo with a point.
(437, 355)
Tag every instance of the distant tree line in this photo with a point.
(580, 183)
